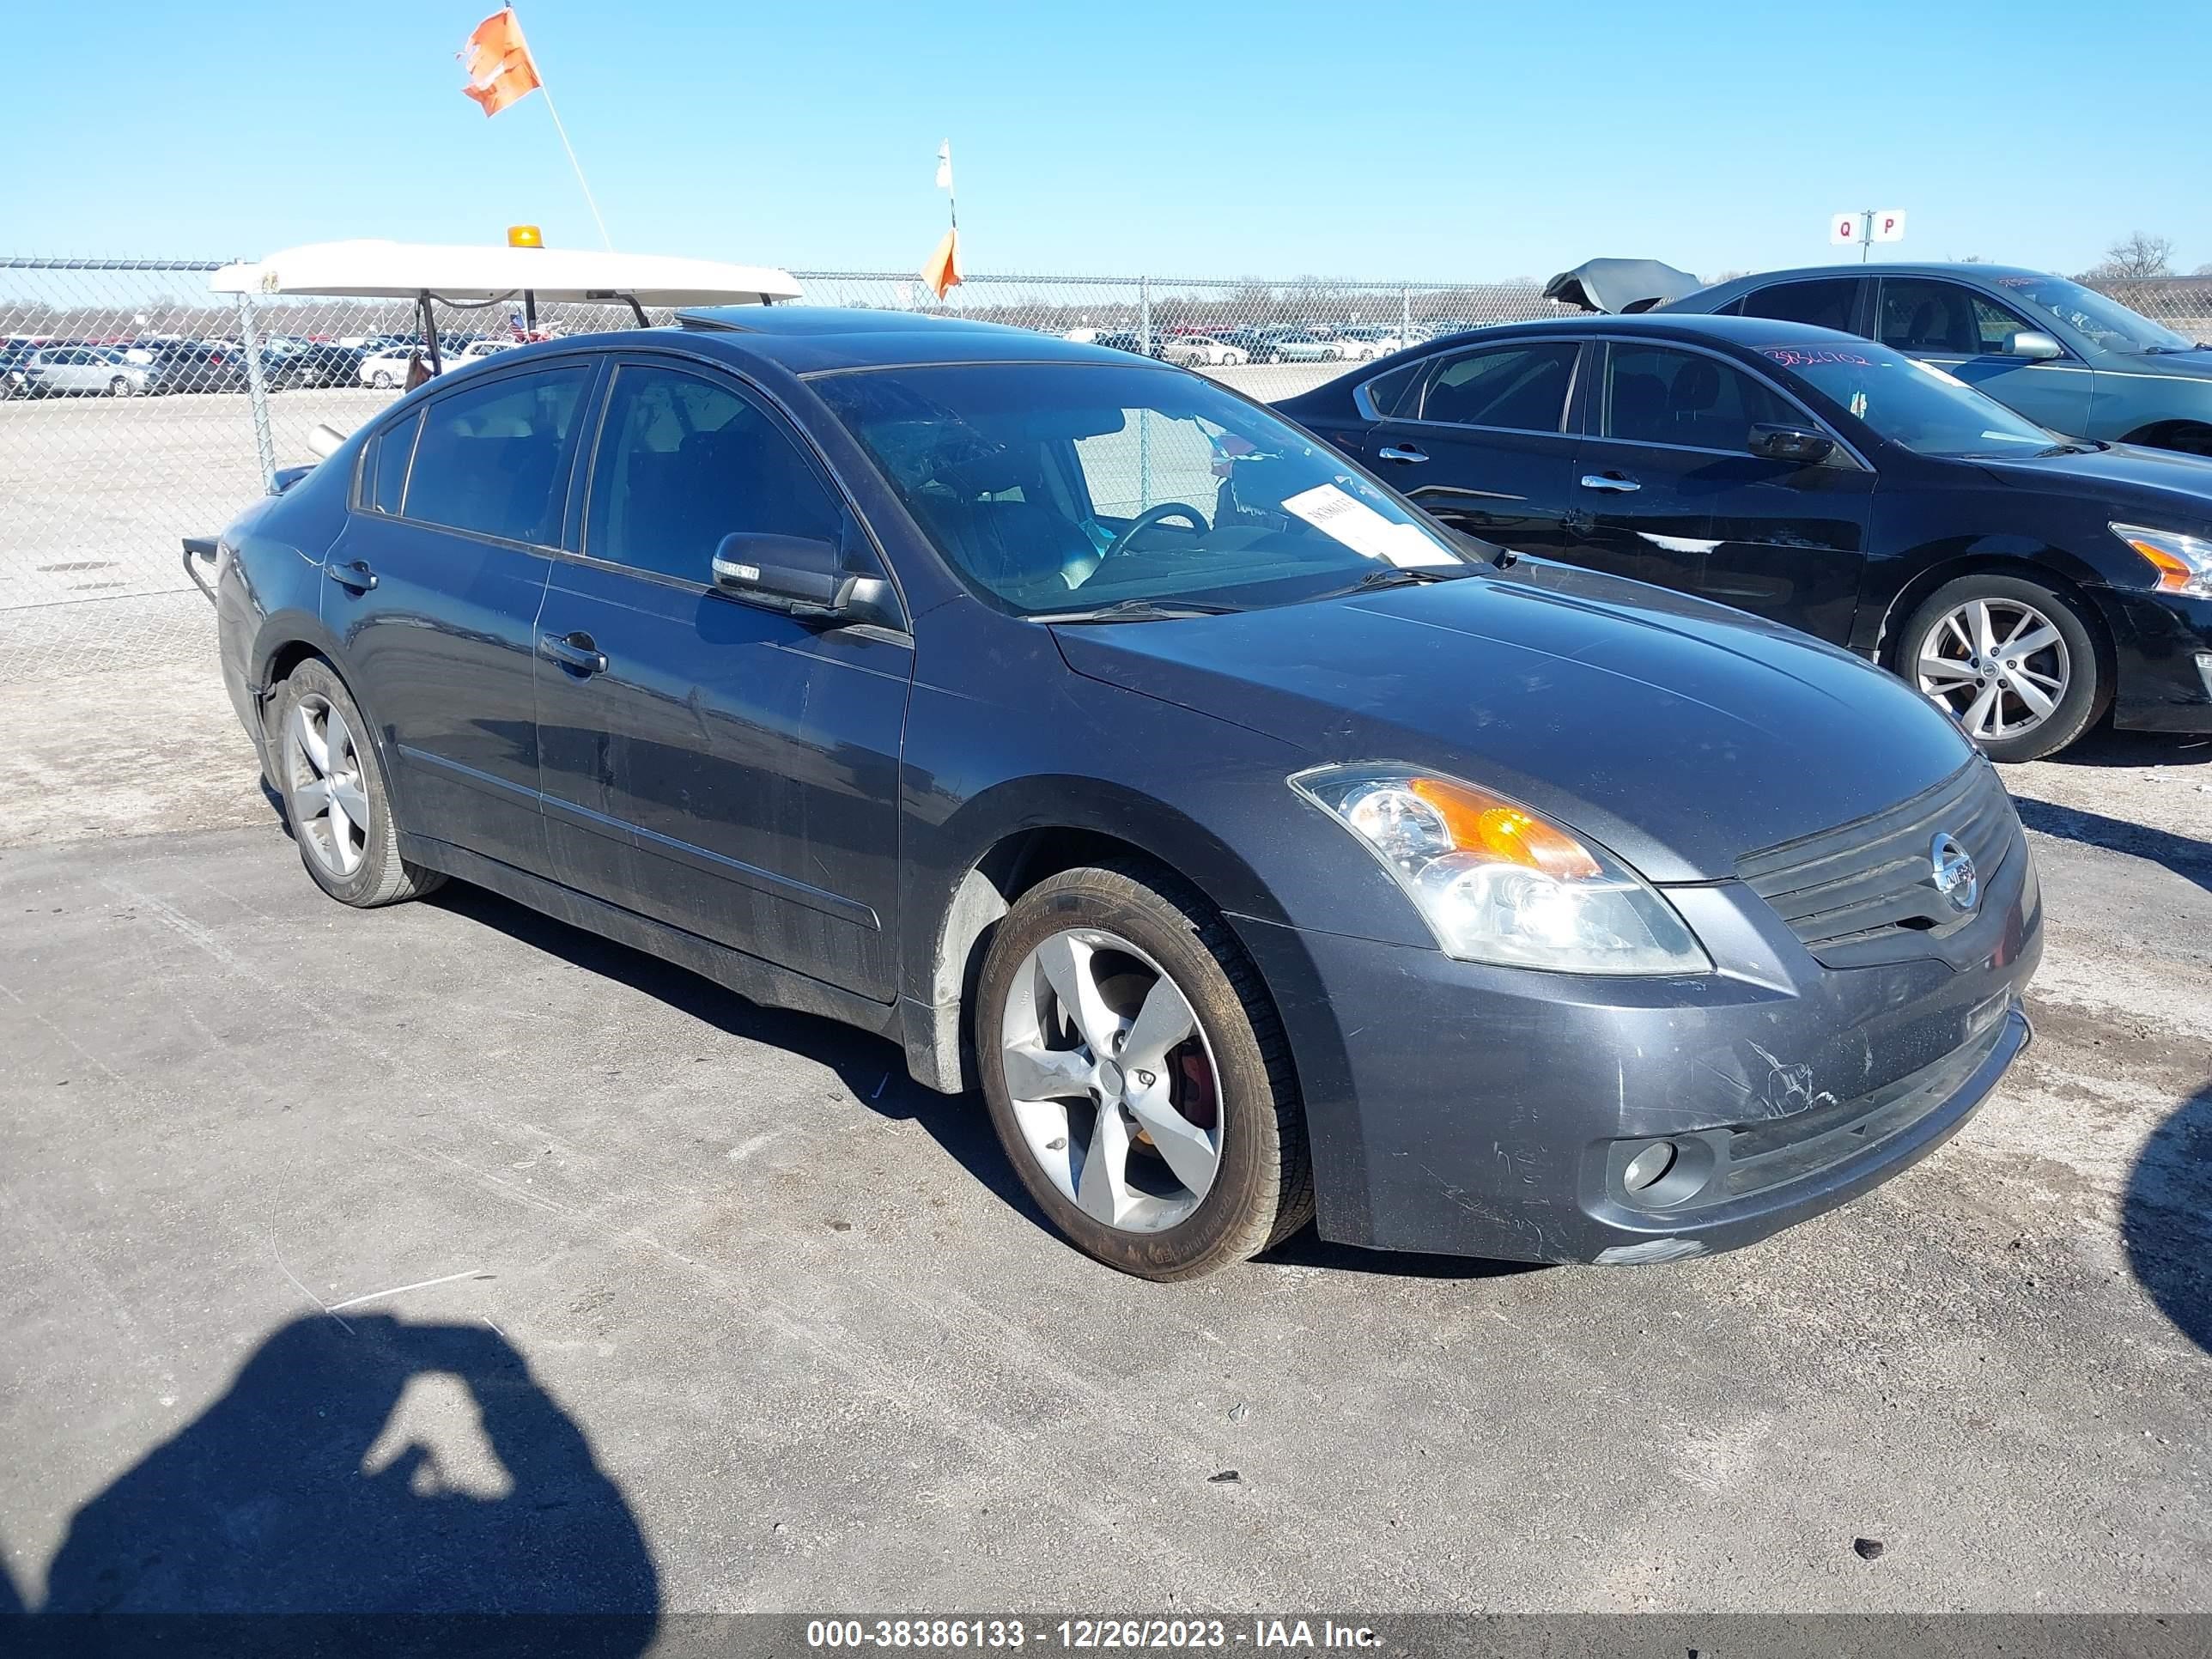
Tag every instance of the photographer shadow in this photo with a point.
(2166, 1217)
(365, 1487)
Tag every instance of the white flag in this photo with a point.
(945, 165)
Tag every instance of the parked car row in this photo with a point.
(161, 366)
(390, 366)
(1304, 342)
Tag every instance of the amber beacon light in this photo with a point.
(524, 236)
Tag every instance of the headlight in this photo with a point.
(1497, 883)
(2183, 563)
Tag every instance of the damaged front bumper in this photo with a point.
(1462, 1108)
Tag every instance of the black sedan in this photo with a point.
(316, 365)
(2028, 582)
(1108, 743)
(199, 368)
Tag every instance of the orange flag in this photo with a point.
(942, 272)
(499, 65)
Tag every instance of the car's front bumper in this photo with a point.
(1467, 1110)
(2162, 651)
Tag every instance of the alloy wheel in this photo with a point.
(1999, 664)
(1112, 1080)
(330, 801)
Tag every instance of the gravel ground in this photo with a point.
(724, 1313)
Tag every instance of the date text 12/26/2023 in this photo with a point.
(947, 1634)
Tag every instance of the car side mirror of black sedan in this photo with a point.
(2034, 344)
(802, 576)
(1800, 444)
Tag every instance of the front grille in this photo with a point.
(1855, 893)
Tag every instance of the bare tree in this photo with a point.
(2135, 257)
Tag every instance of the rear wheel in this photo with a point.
(1138, 1076)
(2013, 660)
(382, 380)
(335, 798)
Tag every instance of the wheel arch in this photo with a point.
(1909, 597)
(2189, 437)
(1015, 837)
(288, 639)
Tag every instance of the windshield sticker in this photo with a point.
(1814, 356)
(1930, 369)
(1364, 529)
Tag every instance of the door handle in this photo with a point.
(1611, 482)
(1391, 452)
(575, 651)
(355, 578)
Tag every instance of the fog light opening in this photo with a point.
(1648, 1167)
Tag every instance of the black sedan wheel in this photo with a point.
(1138, 1076)
(2013, 661)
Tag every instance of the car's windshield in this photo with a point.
(1908, 402)
(2104, 320)
(1060, 488)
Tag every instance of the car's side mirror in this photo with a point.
(2034, 344)
(802, 576)
(1800, 444)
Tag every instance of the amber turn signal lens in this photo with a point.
(1479, 821)
(2174, 574)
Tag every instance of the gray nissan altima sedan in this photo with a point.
(1256, 846)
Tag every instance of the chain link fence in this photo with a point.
(139, 407)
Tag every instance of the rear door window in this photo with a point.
(1521, 387)
(493, 459)
(385, 473)
(1396, 393)
(1828, 303)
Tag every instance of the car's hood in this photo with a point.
(2128, 474)
(1679, 734)
(2189, 365)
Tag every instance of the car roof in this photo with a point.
(1886, 268)
(810, 339)
(1751, 332)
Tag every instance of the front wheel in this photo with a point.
(382, 380)
(119, 387)
(2013, 662)
(335, 796)
(1138, 1075)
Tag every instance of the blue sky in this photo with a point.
(1433, 140)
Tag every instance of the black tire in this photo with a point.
(2088, 688)
(382, 876)
(119, 387)
(1263, 1191)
